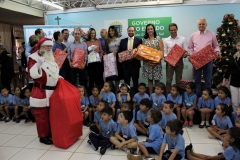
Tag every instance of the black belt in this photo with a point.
(44, 86)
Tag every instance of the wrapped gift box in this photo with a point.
(65, 116)
(203, 57)
(174, 55)
(124, 56)
(93, 57)
(110, 65)
(59, 57)
(148, 54)
(184, 83)
(78, 58)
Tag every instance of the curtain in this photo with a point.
(6, 36)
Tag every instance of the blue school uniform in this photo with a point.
(231, 154)
(176, 143)
(26, 102)
(7, 100)
(157, 100)
(17, 100)
(155, 135)
(108, 129)
(234, 117)
(124, 99)
(165, 119)
(224, 123)
(217, 100)
(84, 103)
(189, 100)
(127, 132)
(143, 117)
(93, 100)
(177, 100)
(132, 119)
(137, 98)
(97, 117)
(110, 98)
(203, 104)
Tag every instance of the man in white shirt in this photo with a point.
(168, 45)
(65, 34)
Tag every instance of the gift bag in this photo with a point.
(93, 57)
(203, 57)
(148, 54)
(59, 57)
(65, 115)
(110, 65)
(174, 55)
(125, 55)
(78, 58)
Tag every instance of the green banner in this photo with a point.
(160, 24)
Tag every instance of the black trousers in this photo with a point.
(133, 73)
(81, 75)
(95, 74)
(99, 141)
(6, 79)
(64, 70)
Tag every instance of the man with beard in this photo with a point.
(45, 73)
(65, 34)
(131, 67)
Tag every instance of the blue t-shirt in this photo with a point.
(26, 102)
(155, 135)
(128, 132)
(97, 117)
(157, 100)
(17, 100)
(176, 143)
(124, 99)
(137, 98)
(7, 100)
(59, 46)
(108, 129)
(217, 100)
(234, 117)
(189, 100)
(110, 98)
(205, 104)
(165, 119)
(224, 123)
(84, 103)
(177, 100)
(231, 154)
(93, 100)
(143, 117)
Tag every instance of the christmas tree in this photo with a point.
(226, 35)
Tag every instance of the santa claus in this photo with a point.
(45, 73)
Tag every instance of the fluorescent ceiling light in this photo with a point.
(149, 3)
(51, 4)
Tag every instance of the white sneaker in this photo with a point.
(202, 124)
(207, 124)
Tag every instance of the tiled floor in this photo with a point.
(20, 142)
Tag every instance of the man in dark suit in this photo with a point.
(131, 67)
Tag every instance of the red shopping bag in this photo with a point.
(66, 118)
(59, 57)
(174, 55)
(203, 57)
(78, 58)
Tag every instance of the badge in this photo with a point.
(125, 136)
(146, 123)
(155, 104)
(107, 132)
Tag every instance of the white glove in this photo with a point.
(40, 61)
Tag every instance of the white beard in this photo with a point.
(48, 55)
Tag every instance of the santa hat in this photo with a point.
(42, 42)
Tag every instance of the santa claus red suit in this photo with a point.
(45, 73)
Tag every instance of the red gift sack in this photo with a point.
(174, 55)
(59, 57)
(125, 55)
(78, 58)
(203, 57)
(65, 113)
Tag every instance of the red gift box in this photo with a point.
(59, 57)
(78, 58)
(174, 55)
(65, 115)
(124, 56)
(203, 57)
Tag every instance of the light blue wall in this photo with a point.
(185, 16)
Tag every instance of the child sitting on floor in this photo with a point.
(126, 106)
(222, 97)
(84, 103)
(123, 96)
(94, 101)
(6, 104)
(235, 115)
(158, 98)
(17, 103)
(153, 142)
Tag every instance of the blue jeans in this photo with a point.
(207, 73)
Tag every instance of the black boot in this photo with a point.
(46, 141)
